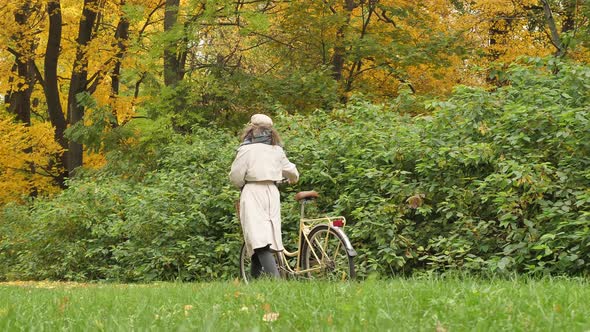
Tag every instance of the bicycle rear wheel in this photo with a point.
(246, 265)
(327, 256)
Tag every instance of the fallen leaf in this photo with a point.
(483, 128)
(270, 316)
(44, 284)
(440, 328)
(266, 307)
(63, 303)
(330, 320)
(99, 324)
(187, 308)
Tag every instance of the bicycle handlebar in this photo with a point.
(282, 181)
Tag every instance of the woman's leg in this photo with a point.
(255, 268)
(267, 261)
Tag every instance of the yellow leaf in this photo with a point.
(440, 327)
(187, 309)
(415, 201)
(270, 316)
(330, 320)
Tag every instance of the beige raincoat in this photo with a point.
(255, 170)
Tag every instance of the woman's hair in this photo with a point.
(251, 131)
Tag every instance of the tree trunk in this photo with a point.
(174, 62)
(172, 68)
(496, 36)
(554, 34)
(498, 31)
(51, 87)
(24, 57)
(79, 80)
(356, 66)
(20, 99)
(569, 22)
(339, 56)
(122, 36)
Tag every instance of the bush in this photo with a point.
(172, 222)
(492, 181)
(489, 182)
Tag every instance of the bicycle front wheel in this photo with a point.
(327, 257)
(245, 264)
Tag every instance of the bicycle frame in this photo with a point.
(323, 249)
(305, 227)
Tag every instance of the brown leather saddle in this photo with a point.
(306, 195)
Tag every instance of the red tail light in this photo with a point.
(338, 223)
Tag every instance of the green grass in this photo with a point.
(397, 305)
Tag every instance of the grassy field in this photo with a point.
(379, 305)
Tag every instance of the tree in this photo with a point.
(79, 78)
(506, 30)
(174, 53)
(23, 46)
(51, 84)
(204, 61)
(41, 45)
(122, 37)
(25, 43)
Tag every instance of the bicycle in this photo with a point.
(323, 249)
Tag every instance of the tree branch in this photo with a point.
(148, 21)
(39, 76)
(13, 51)
(357, 65)
(555, 40)
(330, 6)
(94, 80)
(385, 18)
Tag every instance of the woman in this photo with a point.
(259, 164)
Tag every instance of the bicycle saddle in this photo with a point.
(306, 195)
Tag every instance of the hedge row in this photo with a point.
(488, 182)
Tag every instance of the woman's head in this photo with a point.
(260, 120)
(260, 130)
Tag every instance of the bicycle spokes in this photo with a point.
(327, 257)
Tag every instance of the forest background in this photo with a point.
(453, 135)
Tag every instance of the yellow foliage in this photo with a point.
(27, 159)
(27, 172)
(396, 47)
(500, 28)
(94, 160)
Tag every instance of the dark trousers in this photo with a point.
(263, 262)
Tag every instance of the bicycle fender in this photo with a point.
(348, 246)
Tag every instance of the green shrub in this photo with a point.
(490, 182)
